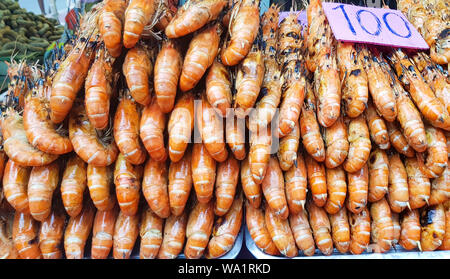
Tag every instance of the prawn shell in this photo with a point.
(167, 70)
(256, 225)
(86, 143)
(40, 130)
(154, 187)
(199, 229)
(193, 16)
(203, 173)
(17, 146)
(41, 185)
(73, 184)
(151, 233)
(126, 231)
(174, 236)
(274, 190)
(102, 232)
(126, 132)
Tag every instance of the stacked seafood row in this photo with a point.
(372, 170)
(97, 183)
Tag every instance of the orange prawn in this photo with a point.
(355, 91)
(398, 140)
(434, 162)
(226, 229)
(200, 55)
(40, 131)
(425, 99)
(151, 131)
(25, 235)
(320, 224)
(86, 142)
(287, 151)
(309, 127)
(377, 127)
(382, 231)
(327, 88)
(248, 82)
(198, 230)
(358, 186)
(194, 15)
(410, 229)
(243, 31)
(137, 15)
(360, 231)
(266, 107)
(398, 193)
(180, 184)
(281, 233)
(99, 181)
(126, 131)
(432, 222)
(378, 174)
(290, 43)
(440, 188)
(210, 126)
(436, 78)
(41, 185)
(151, 232)
(174, 236)
(418, 184)
(137, 69)
(51, 233)
(226, 182)
(317, 181)
(110, 24)
(102, 232)
(16, 145)
(218, 88)
(180, 126)
(126, 231)
(409, 119)
(167, 72)
(154, 187)
(259, 153)
(340, 230)
(360, 145)
(379, 84)
(256, 225)
(337, 189)
(127, 179)
(274, 190)
(295, 180)
(203, 173)
(99, 89)
(77, 232)
(251, 190)
(301, 230)
(336, 142)
(15, 184)
(318, 36)
(235, 136)
(69, 79)
(73, 184)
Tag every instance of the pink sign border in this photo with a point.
(327, 6)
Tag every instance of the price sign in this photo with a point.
(372, 25)
(302, 19)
